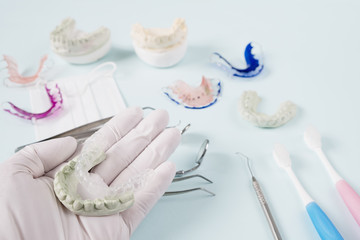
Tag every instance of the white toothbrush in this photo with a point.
(321, 222)
(350, 197)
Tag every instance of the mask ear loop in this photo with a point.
(94, 76)
(97, 69)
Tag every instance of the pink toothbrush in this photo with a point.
(350, 197)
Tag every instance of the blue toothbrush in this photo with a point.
(323, 225)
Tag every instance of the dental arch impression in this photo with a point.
(160, 47)
(86, 193)
(248, 103)
(79, 47)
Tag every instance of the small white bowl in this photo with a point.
(163, 59)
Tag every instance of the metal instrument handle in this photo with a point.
(266, 209)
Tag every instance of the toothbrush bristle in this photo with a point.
(281, 156)
(312, 138)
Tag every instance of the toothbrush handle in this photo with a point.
(350, 197)
(323, 225)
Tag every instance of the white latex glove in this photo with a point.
(29, 208)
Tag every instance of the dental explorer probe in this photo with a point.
(263, 203)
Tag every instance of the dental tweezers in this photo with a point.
(78, 133)
(84, 131)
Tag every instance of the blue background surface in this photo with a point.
(311, 50)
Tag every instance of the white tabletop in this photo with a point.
(311, 51)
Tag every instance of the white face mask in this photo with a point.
(86, 98)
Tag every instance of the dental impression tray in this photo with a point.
(160, 47)
(86, 193)
(248, 103)
(79, 47)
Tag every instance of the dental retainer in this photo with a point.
(12, 77)
(79, 47)
(160, 47)
(86, 193)
(248, 103)
(56, 103)
(203, 96)
(254, 62)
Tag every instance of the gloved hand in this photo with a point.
(29, 208)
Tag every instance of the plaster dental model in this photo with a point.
(86, 193)
(79, 47)
(56, 102)
(248, 103)
(160, 47)
(254, 62)
(199, 97)
(14, 78)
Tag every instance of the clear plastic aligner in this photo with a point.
(86, 193)
(248, 103)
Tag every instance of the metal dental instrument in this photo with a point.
(179, 174)
(171, 193)
(198, 159)
(263, 203)
(187, 191)
(85, 131)
(78, 133)
(178, 179)
(185, 129)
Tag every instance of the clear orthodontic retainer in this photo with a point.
(86, 193)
